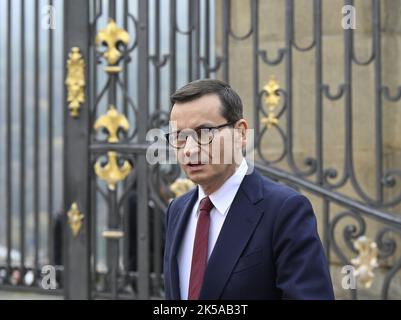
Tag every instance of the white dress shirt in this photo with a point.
(222, 200)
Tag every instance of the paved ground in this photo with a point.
(6, 295)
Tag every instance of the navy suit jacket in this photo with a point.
(268, 247)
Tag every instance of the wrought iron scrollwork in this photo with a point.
(389, 97)
(272, 62)
(367, 254)
(247, 34)
(272, 94)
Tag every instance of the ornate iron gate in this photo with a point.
(121, 60)
(122, 68)
(124, 237)
(149, 36)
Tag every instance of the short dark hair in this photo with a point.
(231, 104)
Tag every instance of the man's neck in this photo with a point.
(209, 189)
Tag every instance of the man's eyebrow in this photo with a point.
(201, 126)
(205, 125)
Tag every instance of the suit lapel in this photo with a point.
(241, 221)
(180, 221)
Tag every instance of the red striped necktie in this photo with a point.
(199, 254)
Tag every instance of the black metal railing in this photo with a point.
(31, 88)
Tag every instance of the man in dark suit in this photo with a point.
(237, 235)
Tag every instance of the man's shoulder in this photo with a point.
(282, 204)
(277, 193)
(271, 187)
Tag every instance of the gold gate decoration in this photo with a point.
(272, 100)
(366, 261)
(75, 218)
(111, 36)
(181, 186)
(112, 173)
(112, 121)
(75, 81)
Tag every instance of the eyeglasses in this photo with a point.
(202, 135)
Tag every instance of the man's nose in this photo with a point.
(191, 147)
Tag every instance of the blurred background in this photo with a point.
(83, 82)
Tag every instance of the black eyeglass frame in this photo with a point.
(167, 135)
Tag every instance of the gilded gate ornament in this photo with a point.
(366, 261)
(181, 186)
(272, 100)
(75, 81)
(112, 121)
(113, 234)
(112, 173)
(111, 36)
(75, 218)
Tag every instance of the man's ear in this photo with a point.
(242, 125)
(240, 140)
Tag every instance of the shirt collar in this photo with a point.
(224, 196)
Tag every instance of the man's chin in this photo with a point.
(197, 176)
